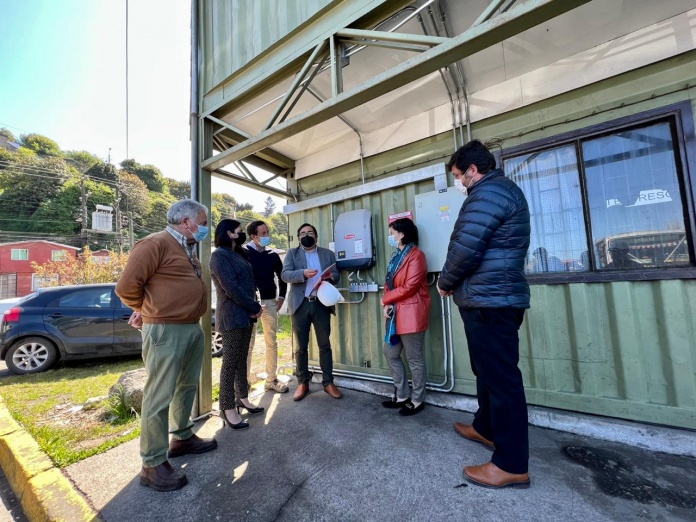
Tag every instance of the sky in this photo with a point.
(63, 75)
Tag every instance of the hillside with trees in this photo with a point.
(42, 189)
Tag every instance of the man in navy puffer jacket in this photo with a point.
(484, 271)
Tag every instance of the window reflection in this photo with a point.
(633, 196)
(635, 202)
(550, 181)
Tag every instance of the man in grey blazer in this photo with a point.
(302, 268)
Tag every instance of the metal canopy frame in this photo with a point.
(488, 30)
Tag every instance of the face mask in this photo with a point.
(240, 239)
(393, 242)
(201, 233)
(458, 185)
(307, 241)
(264, 241)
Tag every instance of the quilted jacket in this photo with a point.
(485, 257)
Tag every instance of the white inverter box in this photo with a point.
(436, 213)
(355, 249)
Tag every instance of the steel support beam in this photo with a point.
(475, 39)
(391, 37)
(388, 45)
(241, 180)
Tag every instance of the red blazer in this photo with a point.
(410, 295)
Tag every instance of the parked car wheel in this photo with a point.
(31, 355)
(217, 344)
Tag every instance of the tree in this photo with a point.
(41, 145)
(179, 189)
(8, 135)
(278, 223)
(156, 218)
(134, 196)
(83, 270)
(26, 183)
(149, 174)
(269, 207)
(81, 159)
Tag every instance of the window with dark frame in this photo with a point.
(626, 181)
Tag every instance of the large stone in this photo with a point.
(133, 383)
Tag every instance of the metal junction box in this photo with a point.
(355, 249)
(436, 213)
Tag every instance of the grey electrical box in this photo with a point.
(355, 248)
(436, 213)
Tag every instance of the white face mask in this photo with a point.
(460, 187)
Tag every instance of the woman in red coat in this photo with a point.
(407, 310)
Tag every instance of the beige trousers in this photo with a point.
(269, 319)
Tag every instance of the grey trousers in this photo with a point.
(412, 344)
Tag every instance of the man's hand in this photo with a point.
(442, 293)
(136, 320)
(310, 273)
(279, 303)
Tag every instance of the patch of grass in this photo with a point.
(284, 328)
(119, 411)
(50, 407)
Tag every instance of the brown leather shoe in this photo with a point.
(163, 477)
(301, 391)
(193, 445)
(468, 432)
(333, 391)
(489, 475)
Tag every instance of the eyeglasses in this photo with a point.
(310, 234)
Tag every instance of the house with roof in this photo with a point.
(17, 276)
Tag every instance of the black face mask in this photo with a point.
(240, 239)
(307, 241)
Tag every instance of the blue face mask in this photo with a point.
(393, 242)
(201, 233)
(264, 241)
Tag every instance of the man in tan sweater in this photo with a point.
(162, 284)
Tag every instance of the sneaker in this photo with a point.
(276, 386)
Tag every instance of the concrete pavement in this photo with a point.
(352, 460)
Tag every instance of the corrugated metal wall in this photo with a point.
(623, 349)
(230, 44)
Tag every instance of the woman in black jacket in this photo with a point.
(235, 310)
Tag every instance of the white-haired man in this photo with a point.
(162, 284)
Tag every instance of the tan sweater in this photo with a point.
(160, 282)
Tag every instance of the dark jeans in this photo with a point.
(308, 314)
(494, 350)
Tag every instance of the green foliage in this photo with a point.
(269, 207)
(156, 218)
(134, 196)
(149, 174)
(8, 135)
(81, 159)
(278, 224)
(41, 145)
(119, 411)
(179, 189)
(26, 183)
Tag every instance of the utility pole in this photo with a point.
(83, 201)
(130, 229)
(119, 237)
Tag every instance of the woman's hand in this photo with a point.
(388, 311)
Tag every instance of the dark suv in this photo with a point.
(68, 322)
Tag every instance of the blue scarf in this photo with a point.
(394, 264)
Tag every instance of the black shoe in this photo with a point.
(239, 426)
(409, 409)
(240, 405)
(393, 403)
